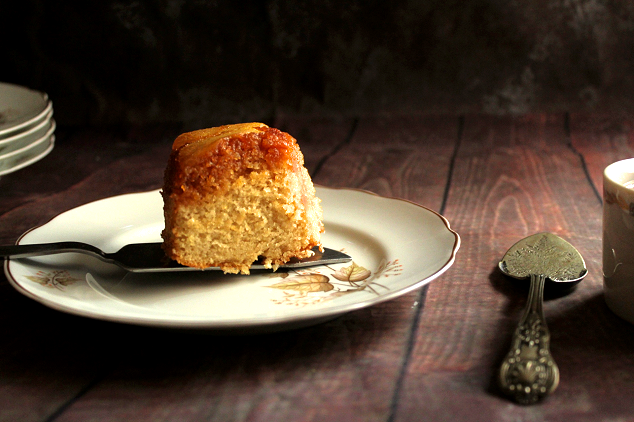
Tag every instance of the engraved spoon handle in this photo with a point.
(529, 372)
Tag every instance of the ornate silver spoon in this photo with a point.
(529, 372)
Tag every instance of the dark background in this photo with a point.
(203, 63)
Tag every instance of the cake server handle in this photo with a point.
(150, 257)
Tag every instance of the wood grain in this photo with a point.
(432, 354)
(513, 178)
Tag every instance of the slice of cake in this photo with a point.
(238, 193)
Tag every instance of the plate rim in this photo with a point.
(304, 319)
(32, 160)
(47, 120)
(33, 143)
(27, 120)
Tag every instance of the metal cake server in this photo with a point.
(529, 372)
(149, 257)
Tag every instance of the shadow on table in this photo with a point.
(52, 347)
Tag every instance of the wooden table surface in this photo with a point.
(431, 354)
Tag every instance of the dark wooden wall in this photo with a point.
(207, 62)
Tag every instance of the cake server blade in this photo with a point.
(149, 257)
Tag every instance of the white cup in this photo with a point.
(618, 238)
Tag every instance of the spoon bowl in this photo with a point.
(547, 254)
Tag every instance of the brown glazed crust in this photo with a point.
(208, 160)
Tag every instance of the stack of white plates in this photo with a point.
(26, 127)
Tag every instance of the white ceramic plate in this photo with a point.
(20, 108)
(396, 246)
(27, 156)
(26, 137)
(22, 145)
